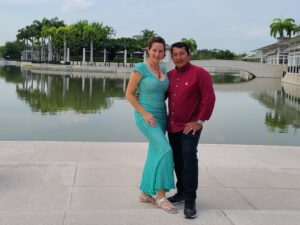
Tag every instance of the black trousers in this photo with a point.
(185, 162)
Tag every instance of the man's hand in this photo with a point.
(192, 127)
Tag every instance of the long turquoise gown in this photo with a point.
(158, 170)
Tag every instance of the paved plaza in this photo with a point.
(95, 183)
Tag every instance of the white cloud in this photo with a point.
(76, 5)
(22, 2)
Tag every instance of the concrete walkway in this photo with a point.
(83, 183)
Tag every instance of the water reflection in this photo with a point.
(283, 107)
(230, 78)
(54, 93)
(259, 111)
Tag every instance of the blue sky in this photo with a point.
(238, 25)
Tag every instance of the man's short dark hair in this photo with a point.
(180, 45)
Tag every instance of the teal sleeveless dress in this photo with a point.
(158, 170)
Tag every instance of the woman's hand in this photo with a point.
(149, 118)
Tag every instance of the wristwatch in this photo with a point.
(200, 122)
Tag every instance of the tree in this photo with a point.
(144, 38)
(191, 43)
(46, 23)
(279, 26)
(77, 36)
(2, 51)
(289, 25)
(50, 33)
(34, 34)
(64, 33)
(225, 54)
(96, 32)
(296, 30)
(12, 50)
(213, 54)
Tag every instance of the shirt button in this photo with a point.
(178, 79)
(176, 85)
(172, 113)
(174, 94)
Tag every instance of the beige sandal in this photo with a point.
(147, 198)
(169, 209)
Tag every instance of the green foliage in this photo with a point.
(12, 50)
(74, 98)
(225, 54)
(213, 54)
(275, 121)
(144, 38)
(2, 51)
(191, 43)
(281, 26)
(11, 74)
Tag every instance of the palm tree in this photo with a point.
(289, 25)
(23, 35)
(77, 33)
(296, 30)
(191, 43)
(34, 34)
(144, 38)
(279, 26)
(96, 32)
(50, 33)
(51, 27)
(64, 31)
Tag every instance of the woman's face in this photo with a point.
(156, 52)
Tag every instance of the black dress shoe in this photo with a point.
(190, 211)
(177, 198)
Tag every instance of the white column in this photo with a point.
(104, 56)
(83, 55)
(68, 82)
(68, 54)
(83, 83)
(145, 55)
(49, 86)
(125, 56)
(65, 51)
(91, 87)
(277, 59)
(64, 86)
(103, 87)
(43, 84)
(124, 84)
(92, 52)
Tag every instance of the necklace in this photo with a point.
(155, 70)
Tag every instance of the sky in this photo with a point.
(238, 25)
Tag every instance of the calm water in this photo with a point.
(69, 108)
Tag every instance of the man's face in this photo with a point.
(180, 57)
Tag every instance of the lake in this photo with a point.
(81, 107)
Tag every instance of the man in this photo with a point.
(191, 102)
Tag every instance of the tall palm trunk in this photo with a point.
(91, 51)
(50, 50)
(32, 48)
(43, 51)
(65, 49)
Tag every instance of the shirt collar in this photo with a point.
(184, 68)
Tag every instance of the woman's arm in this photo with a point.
(133, 83)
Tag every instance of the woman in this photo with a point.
(151, 82)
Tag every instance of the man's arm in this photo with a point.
(208, 97)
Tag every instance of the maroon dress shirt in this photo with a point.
(191, 96)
